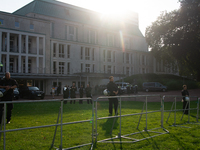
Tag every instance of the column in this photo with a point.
(26, 44)
(26, 57)
(37, 58)
(8, 42)
(19, 63)
(44, 55)
(0, 45)
(20, 43)
(7, 63)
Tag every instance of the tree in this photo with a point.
(175, 37)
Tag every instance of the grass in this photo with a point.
(45, 113)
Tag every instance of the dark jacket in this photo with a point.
(111, 86)
(184, 93)
(8, 94)
(88, 91)
(65, 92)
(73, 92)
(81, 92)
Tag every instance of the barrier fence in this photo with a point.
(144, 116)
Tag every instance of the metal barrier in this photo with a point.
(119, 136)
(175, 110)
(60, 114)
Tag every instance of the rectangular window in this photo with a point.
(92, 36)
(24, 66)
(68, 68)
(113, 56)
(110, 40)
(143, 60)
(71, 32)
(93, 68)
(61, 67)
(87, 53)
(11, 65)
(76, 34)
(109, 69)
(114, 69)
(54, 67)
(1, 21)
(127, 71)
(54, 49)
(109, 56)
(31, 26)
(87, 67)
(29, 65)
(127, 58)
(66, 32)
(68, 51)
(104, 68)
(127, 43)
(17, 24)
(104, 55)
(81, 53)
(81, 67)
(61, 51)
(93, 54)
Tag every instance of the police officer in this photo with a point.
(81, 94)
(65, 93)
(73, 90)
(9, 84)
(88, 90)
(113, 90)
(184, 93)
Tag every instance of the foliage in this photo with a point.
(172, 82)
(175, 37)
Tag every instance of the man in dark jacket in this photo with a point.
(73, 90)
(113, 91)
(184, 93)
(88, 90)
(65, 93)
(81, 94)
(9, 84)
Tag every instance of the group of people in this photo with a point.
(70, 92)
(55, 90)
(8, 84)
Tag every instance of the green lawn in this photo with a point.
(185, 136)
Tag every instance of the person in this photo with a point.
(9, 84)
(184, 93)
(53, 91)
(113, 90)
(73, 90)
(65, 93)
(58, 90)
(88, 90)
(81, 94)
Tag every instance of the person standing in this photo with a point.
(113, 90)
(58, 90)
(81, 94)
(9, 84)
(65, 93)
(88, 90)
(185, 93)
(53, 91)
(73, 90)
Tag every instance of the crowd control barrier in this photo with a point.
(144, 111)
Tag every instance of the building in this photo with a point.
(47, 42)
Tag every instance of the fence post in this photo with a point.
(61, 121)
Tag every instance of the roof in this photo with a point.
(69, 12)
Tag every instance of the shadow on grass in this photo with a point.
(183, 146)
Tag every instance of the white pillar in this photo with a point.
(20, 43)
(37, 58)
(8, 42)
(19, 63)
(26, 44)
(7, 63)
(37, 44)
(26, 57)
(44, 55)
(0, 45)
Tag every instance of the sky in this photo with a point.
(148, 10)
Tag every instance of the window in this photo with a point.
(92, 36)
(127, 58)
(61, 51)
(110, 40)
(113, 56)
(29, 66)
(54, 67)
(109, 56)
(87, 67)
(109, 69)
(93, 68)
(104, 55)
(104, 68)
(87, 53)
(68, 51)
(81, 53)
(54, 49)
(24, 66)
(68, 68)
(81, 67)
(31, 26)
(143, 60)
(61, 67)
(76, 34)
(114, 69)
(17, 24)
(1, 21)
(66, 32)
(93, 54)
(71, 32)
(127, 43)
(11, 65)
(127, 71)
